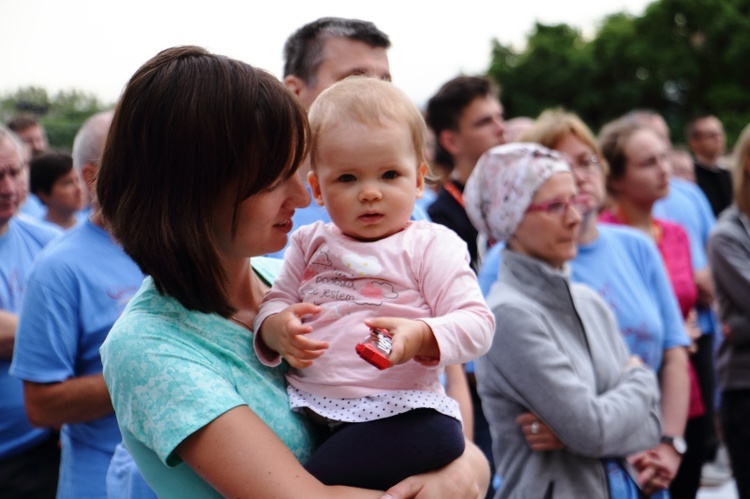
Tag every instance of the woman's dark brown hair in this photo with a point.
(191, 128)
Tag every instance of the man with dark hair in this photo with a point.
(467, 120)
(76, 291)
(328, 50)
(320, 54)
(706, 139)
(31, 132)
(58, 187)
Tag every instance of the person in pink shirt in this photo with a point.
(373, 268)
(638, 177)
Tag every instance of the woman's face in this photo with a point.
(586, 168)
(646, 176)
(264, 220)
(545, 236)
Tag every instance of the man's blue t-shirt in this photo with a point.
(79, 286)
(19, 247)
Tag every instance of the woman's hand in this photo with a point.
(656, 468)
(693, 330)
(726, 331)
(633, 361)
(466, 477)
(538, 435)
(285, 333)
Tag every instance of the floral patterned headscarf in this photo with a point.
(504, 182)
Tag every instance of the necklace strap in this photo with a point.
(241, 323)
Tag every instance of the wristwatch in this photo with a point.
(677, 443)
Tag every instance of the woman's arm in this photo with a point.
(675, 391)
(457, 387)
(240, 456)
(731, 269)
(675, 399)
(543, 377)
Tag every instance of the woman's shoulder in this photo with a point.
(585, 295)
(668, 226)
(148, 322)
(729, 223)
(512, 303)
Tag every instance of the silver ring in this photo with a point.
(534, 428)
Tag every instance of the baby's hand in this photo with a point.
(412, 339)
(284, 333)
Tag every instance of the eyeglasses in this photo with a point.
(588, 165)
(710, 134)
(559, 208)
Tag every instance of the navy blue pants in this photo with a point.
(379, 454)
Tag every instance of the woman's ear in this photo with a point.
(312, 179)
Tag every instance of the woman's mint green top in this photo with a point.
(171, 371)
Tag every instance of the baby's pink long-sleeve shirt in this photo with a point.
(421, 272)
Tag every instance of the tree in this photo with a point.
(680, 58)
(61, 115)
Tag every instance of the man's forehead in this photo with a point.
(353, 57)
(708, 123)
(480, 106)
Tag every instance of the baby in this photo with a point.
(373, 268)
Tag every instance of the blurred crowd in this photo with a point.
(615, 264)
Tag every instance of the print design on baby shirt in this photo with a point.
(331, 281)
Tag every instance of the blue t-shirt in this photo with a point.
(171, 371)
(626, 269)
(19, 247)
(124, 481)
(79, 286)
(33, 207)
(688, 206)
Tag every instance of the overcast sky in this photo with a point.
(96, 45)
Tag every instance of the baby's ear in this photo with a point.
(312, 179)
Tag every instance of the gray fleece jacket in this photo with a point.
(729, 254)
(558, 354)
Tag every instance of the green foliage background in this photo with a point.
(62, 114)
(681, 58)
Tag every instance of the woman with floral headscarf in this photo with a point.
(558, 374)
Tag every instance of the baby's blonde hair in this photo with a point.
(367, 101)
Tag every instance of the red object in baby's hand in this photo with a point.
(376, 348)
